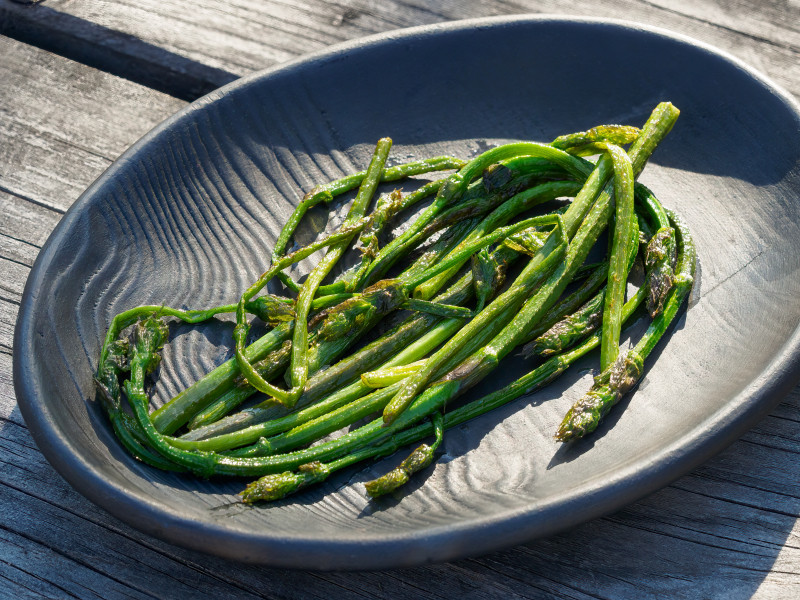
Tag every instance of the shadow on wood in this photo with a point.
(111, 51)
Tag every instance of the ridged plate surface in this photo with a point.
(188, 215)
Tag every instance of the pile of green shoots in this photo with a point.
(478, 273)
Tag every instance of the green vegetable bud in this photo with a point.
(279, 485)
(625, 372)
(614, 134)
(528, 241)
(569, 330)
(483, 270)
(387, 483)
(496, 176)
(272, 487)
(270, 309)
(357, 313)
(585, 415)
(660, 257)
(420, 458)
(149, 336)
(613, 383)
(119, 355)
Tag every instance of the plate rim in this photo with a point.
(433, 544)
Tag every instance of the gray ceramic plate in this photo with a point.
(188, 215)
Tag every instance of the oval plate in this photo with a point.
(188, 215)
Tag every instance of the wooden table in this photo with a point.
(81, 81)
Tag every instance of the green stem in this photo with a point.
(386, 376)
(412, 352)
(619, 135)
(299, 367)
(660, 254)
(479, 328)
(366, 191)
(420, 458)
(624, 223)
(456, 184)
(326, 193)
(521, 202)
(486, 359)
(622, 375)
(542, 375)
(270, 366)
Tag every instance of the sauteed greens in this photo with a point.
(496, 262)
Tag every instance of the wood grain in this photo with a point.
(154, 39)
(727, 530)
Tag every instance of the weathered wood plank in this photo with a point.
(247, 35)
(65, 130)
(8, 401)
(126, 56)
(8, 316)
(24, 227)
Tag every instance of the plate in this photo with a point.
(188, 214)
